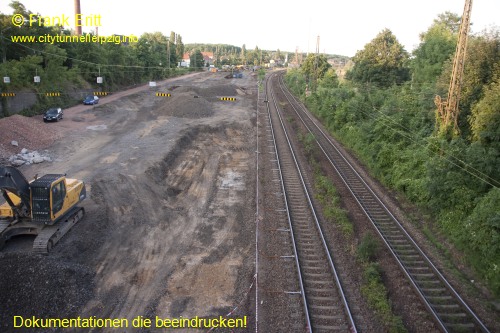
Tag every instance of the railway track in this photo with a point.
(325, 305)
(449, 310)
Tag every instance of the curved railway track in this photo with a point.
(449, 310)
(325, 305)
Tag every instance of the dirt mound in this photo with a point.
(213, 91)
(186, 106)
(30, 133)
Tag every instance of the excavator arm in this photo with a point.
(13, 180)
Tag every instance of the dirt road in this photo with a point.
(169, 218)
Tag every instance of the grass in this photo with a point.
(373, 288)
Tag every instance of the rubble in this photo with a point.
(29, 132)
(29, 157)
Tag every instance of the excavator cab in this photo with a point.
(48, 195)
(46, 207)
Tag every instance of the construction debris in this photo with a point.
(29, 132)
(29, 157)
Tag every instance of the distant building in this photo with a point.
(208, 57)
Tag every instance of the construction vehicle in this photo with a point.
(46, 207)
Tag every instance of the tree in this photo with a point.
(382, 62)
(244, 54)
(152, 51)
(196, 60)
(436, 47)
(179, 47)
(315, 66)
(485, 119)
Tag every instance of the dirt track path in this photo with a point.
(169, 217)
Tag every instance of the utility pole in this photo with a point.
(316, 60)
(447, 112)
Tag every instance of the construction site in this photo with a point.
(167, 224)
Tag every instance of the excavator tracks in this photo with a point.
(51, 234)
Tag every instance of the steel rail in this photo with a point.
(348, 318)
(383, 221)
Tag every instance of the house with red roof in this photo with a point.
(208, 57)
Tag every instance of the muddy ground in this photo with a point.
(168, 230)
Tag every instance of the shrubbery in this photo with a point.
(392, 130)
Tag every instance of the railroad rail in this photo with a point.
(449, 310)
(325, 305)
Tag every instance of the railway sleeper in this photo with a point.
(430, 291)
(327, 317)
(447, 307)
(454, 317)
(419, 269)
(413, 263)
(321, 298)
(311, 261)
(396, 239)
(321, 270)
(402, 248)
(424, 276)
(376, 213)
(308, 236)
(325, 307)
(445, 299)
(311, 275)
(330, 328)
(464, 327)
(309, 255)
(410, 256)
(424, 284)
(387, 224)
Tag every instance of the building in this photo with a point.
(208, 57)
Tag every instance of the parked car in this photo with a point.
(91, 100)
(53, 114)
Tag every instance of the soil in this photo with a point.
(167, 226)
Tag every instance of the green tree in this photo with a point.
(179, 48)
(315, 66)
(485, 118)
(244, 54)
(383, 62)
(437, 45)
(152, 51)
(196, 60)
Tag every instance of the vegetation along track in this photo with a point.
(449, 310)
(325, 305)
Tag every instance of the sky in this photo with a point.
(344, 26)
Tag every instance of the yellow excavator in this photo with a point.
(46, 207)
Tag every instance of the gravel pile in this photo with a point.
(48, 288)
(214, 91)
(29, 133)
(186, 106)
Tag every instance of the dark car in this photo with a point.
(91, 100)
(53, 114)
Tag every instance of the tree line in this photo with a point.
(64, 66)
(384, 110)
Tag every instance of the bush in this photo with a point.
(367, 248)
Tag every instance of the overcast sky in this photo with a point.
(343, 26)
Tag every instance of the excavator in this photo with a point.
(46, 207)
